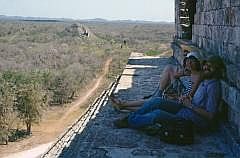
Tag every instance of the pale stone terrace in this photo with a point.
(99, 138)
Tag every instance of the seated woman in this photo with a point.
(172, 72)
(192, 64)
(200, 110)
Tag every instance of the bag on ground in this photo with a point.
(177, 131)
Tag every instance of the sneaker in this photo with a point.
(121, 123)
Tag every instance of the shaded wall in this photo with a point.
(216, 30)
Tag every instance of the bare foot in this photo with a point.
(117, 103)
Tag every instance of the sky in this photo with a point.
(150, 10)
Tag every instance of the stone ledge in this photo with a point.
(60, 146)
(232, 138)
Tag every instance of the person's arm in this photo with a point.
(208, 115)
(203, 112)
(213, 97)
(181, 72)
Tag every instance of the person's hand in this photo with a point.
(186, 101)
(182, 98)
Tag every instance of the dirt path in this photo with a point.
(56, 120)
(84, 98)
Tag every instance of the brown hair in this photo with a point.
(219, 66)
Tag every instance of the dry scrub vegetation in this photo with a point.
(42, 64)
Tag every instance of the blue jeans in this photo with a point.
(153, 110)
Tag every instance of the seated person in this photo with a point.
(200, 110)
(191, 63)
(191, 66)
(171, 72)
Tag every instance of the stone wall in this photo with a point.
(178, 29)
(216, 30)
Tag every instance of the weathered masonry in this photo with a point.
(208, 26)
(212, 27)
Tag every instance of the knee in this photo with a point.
(169, 69)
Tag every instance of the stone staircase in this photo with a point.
(94, 135)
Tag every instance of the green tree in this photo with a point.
(30, 104)
(7, 99)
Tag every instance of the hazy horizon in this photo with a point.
(140, 10)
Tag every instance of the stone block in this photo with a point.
(224, 89)
(199, 30)
(236, 36)
(238, 102)
(194, 38)
(215, 17)
(224, 32)
(204, 41)
(196, 42)
(207, 46)
(206, 5)
(237, 120)
(232, 98)
(201, 5)
(220, 16)
(208, 32)
(202, 18)
(195, 31)
(236, 11)
(238, 77)
(233, 52)
(196, 19)
(215, 4)
(212, 48)
(229, 17)
(211, 17)
(205, 18)
(225, 3)
(233, 74)
(237, 50)
(235, 3)
(231, 116)
(219, 46)
(230, 35)
(200, 42)
(214, 32)
(221, 32)
(224, 52)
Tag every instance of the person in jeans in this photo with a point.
(200, 110)
(169, 78)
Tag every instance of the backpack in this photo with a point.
(178, 131)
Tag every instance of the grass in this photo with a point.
(152, 52)
(32, 46)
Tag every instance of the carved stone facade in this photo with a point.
(77, 30)
(216, 31)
